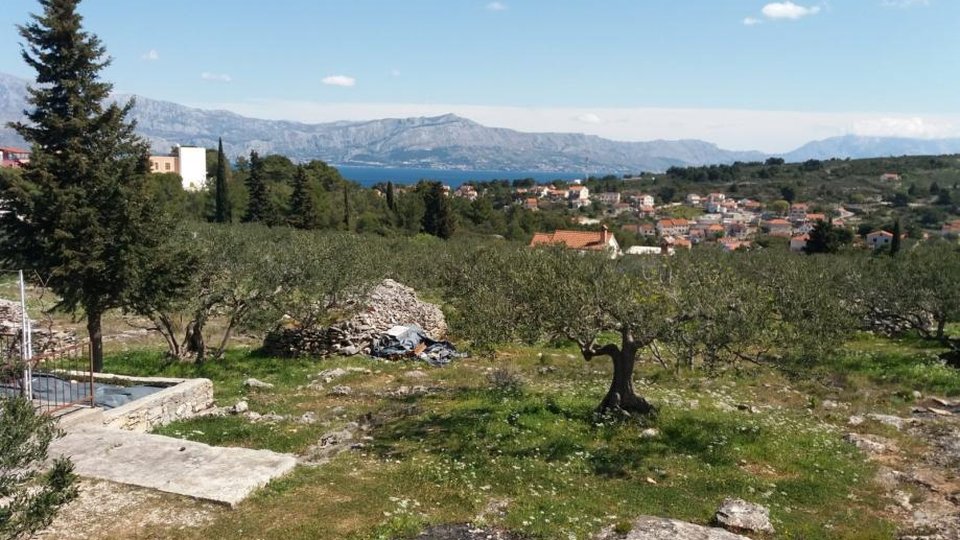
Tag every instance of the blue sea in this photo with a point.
(368, 176)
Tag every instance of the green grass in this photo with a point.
(905, 364)
(536, 444)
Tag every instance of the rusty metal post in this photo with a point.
(93, 400)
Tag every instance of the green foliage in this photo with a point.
(303, 208)
(222, 210)
(30, 492)
(80, 215)
(258, 206)
(827, 238)
(438, 219)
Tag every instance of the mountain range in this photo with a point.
(445, 142)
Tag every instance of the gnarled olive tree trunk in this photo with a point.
(621, 397)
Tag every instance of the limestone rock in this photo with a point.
(887, 419)
(870, 444)
(387, 305)
(657, 528)
(741, 516)
(256, 383)
(240, 407)
(341, 391)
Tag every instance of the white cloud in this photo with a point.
(588, 118)
(751, 21)
(216, 77)
(339, 80)
(496, 6)
(904, 3)
(914, 127)
(150, 55)
(788, 10)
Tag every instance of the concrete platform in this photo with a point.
(209, 473)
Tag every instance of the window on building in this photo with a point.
(166, 166)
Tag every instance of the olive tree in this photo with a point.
(533, 295)
(691, 309)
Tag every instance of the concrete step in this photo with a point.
(209, 473)
(74, 418)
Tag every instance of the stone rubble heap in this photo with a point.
(387, 305)
(44, 339)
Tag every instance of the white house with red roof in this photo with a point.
(13, 157)
(878, 239)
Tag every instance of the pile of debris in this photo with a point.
(388, 305)
(44, 339)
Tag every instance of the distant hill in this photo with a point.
(858, 146)
(443, 142)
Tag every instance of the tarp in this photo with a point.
(411, 341)
(107, 396)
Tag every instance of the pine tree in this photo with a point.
(222, 199)
(827, 238)
(391, 201)
(303, 210)
(258, 206)
(895, 241)
(438, 219)
(346, 206)
(80, 215)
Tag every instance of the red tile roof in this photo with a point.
(572, 239)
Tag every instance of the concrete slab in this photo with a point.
(209, 473)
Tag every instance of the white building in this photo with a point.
(190, 162)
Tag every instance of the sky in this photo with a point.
(744, 74)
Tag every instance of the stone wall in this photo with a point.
(185, 399)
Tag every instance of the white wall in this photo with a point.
(193, 167)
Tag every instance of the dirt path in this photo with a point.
(109, 510)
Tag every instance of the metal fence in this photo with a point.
(62, 379)
(56, 380)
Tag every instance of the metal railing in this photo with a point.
(62, 379)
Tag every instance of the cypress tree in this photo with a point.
(258, 206)
(80, 215)
(391, 201)
(438, 219)
(222, 214)
(346, 206)
(895, 241)
(303, 211)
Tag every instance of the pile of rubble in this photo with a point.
(44, 339)
(387, 305)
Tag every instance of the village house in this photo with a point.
(602, 240)
(730, 245)
(798, 212)
(889, 177)
(642, 229)
(190, 162)
(778, 227)
(647, 211)
(13, 157)
(643, 199)
(951, 228)
(673, 227)
(693, 199)
(879, 239)
(578, 194)
(799, 242)
(532, 204)
(468, 192)
(610, 198)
